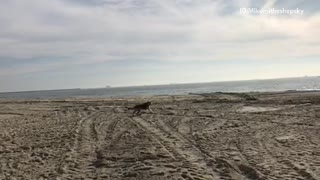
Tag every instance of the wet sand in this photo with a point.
(205, 136)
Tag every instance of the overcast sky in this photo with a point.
(52, 44)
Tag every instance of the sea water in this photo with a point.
(271, 85)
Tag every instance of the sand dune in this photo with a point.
(193, 137)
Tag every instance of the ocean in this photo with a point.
(270, 85)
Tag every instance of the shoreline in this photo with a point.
(93, 98)
(273, 85)
(169, 84)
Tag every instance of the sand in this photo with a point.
(205, 136)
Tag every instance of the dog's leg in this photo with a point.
(134, 112)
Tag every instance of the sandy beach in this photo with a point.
(188, 137)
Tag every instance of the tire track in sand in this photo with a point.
(224, 168)
(284, 161)
(82, 154)
(270, 164)
(181, 149)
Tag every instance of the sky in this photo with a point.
(60, 44)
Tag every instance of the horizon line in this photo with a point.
(111, 87)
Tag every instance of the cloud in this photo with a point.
(96, 31)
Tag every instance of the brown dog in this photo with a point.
(138, 108)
